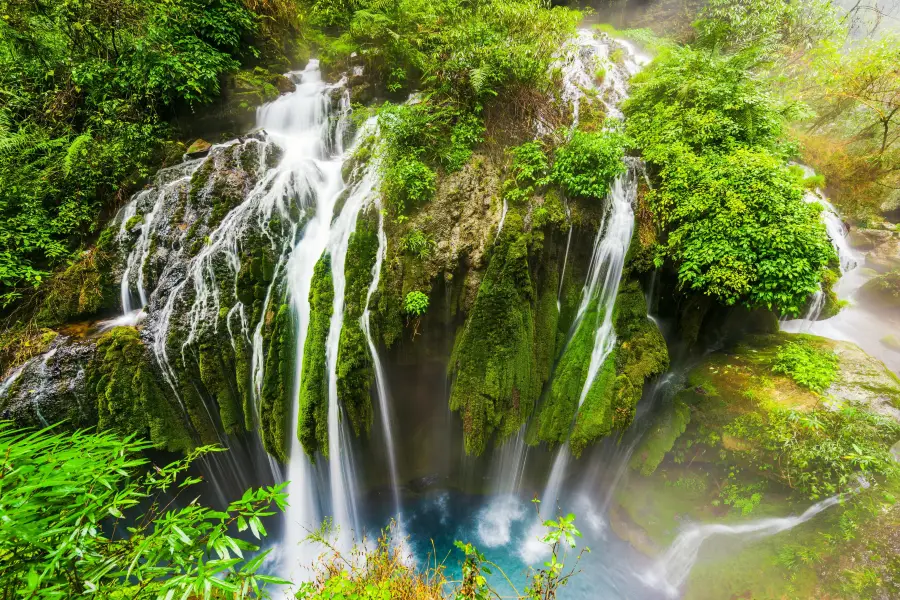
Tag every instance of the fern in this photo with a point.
(480, 78)
(75, 151)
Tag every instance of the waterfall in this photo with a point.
(380, 379)
(602, 287)
(300, 123)
(324, 234)
(671, 570)
(834, 225)
(613, 237)
(607, 263)
(496, 519)
(343, 479)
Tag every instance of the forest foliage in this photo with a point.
(733, 217)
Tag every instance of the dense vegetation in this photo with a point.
(67, 499)
(93, 91)
(732, 215)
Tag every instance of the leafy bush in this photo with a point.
(739, 230)
(530, 171)
(734, 221)
(66, 496)
(408, 183)
(694, 100)
(587, 164)
(415, 304)
(809, 366)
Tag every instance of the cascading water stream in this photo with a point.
(343, 479)
(380, 378)
(856, 322)
(601, 288)
(673, 568)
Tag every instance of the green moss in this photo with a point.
(191, 392)
(667, 427)
(313, 414)
(129, 398)
(354, 363)
(278, 381)
(497, 378)
(217, 372)
(809, 366)
(133, 222)
(558, 411)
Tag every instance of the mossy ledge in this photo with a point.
(312, 427)
(354, 363)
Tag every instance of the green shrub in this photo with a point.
(417, 244)
(408, 183)
(529, 170)
(415, 304)
(739, 230)
(809, 366)
(587, 164)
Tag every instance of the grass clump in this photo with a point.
(811, 367)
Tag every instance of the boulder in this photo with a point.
(198, 149)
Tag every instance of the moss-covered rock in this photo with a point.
(640, 353)
(882, 290)
(312, 429)
(130, 397)
(85, 289)
(355, 374)
(277, 395)
(741, 441)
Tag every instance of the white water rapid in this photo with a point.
(300, 124)
(671, 570)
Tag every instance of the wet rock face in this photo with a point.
(51, 388)
(882, 248)
(201, 254)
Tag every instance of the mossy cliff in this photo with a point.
(312, 429)
(504, 352)
(750, 437)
